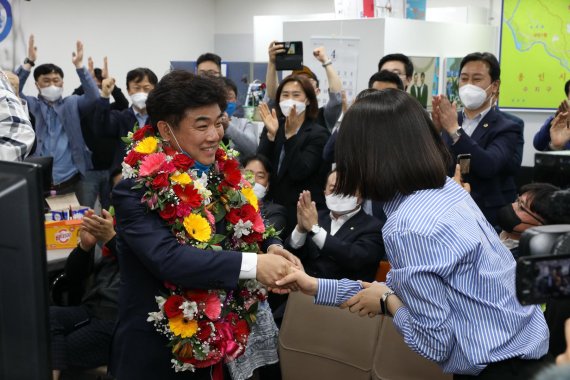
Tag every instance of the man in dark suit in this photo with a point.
(423, 91)
(482, 131)
(341, 242)
(116, 124)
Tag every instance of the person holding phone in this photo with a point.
(327, 115)
(294, 143)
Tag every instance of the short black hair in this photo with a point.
(488, 58)
(364, 93)
(98, 74)
(180, 91)
(388, 145)
(229, 84)
(538, 196)
(261, 158)
(567, 88)
(138, 74)
(210, 57)
(386, 77)
(47, 68)
(408, 65)
(312, 109)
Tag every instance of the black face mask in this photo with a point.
(507, 218)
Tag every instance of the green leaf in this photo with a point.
(219, 211)
(112, 211)
(217, 238)
(126, 140)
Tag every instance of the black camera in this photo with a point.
(543, 268)
(291, 58)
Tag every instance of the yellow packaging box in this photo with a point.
(62, 234)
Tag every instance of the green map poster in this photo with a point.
(535, 53)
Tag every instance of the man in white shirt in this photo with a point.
(342, 242)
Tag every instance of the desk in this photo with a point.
(56, 258)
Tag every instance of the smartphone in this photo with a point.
(542, 278)
(464, 161)
(291, 58)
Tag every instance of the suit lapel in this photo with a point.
(484, 125)
(350, 226)
(301, 136)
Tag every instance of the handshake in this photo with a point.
(282, 272)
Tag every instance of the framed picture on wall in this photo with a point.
(425, 80)
(451, 79)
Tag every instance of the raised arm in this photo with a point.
(271, 75)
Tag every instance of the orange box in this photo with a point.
(62, 234)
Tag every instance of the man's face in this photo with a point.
(397, 68)
(143, 85)
(331, 182)
(208, 68)
(259, 172)
(383, 85)
(199, 133)
(521, 206)
(51, 79)
(231, 96)
(415, 78)
(422, 78)
(477, 73)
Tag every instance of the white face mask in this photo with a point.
(259, 190)
(341, 204)
(288, 104)
(139, 100)
(472, 96)
(51, 93)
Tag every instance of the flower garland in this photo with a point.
(203, 327)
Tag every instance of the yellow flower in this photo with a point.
(184, 328)
(182, 178)
(147, 145)
(251, 197)
(197, 227)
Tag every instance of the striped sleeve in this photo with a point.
(16, 133)
(335, 292)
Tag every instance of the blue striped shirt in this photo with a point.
(457, 282)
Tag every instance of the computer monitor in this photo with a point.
(24, 325)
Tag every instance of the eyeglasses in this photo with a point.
(212, 73)
(522, 206)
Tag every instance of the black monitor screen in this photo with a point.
(24, 333)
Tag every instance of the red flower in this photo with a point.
(141, 133)
(220, 155)
(133, 157)
(232, 317)
(245, 213)
(160, 181)
(241, 331)
(182, 162)
(253, 237)
(168, 167)
(232, 174)
(172, 306)
(183, 210)
(188, 194)
(168, 213)
(204, 330)
(168, 150)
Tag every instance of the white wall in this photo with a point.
(142, 33)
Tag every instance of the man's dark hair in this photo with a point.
(312, 108)
(422, 75)
(567, 88)
(489, 59)
(538, 197)
(386, 77)
(47, 68)
(262, 159)
(408, 65)
(389, 146)
(364, 93)
(138, 74)
(180, 91)
(98, 74)
(229, 84)
(210, 57)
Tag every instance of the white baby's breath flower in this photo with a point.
(155, 316)
(189, 309)
(128, 171)
(181, 367)
(242, 228)
(160, 301)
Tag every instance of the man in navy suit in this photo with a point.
(482, 131)
(341, 242)
(116, 124)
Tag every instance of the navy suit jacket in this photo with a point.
(114, 124)
(353, 252)
(492, 146)
(149, 255)
(302, 168)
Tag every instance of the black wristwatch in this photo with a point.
(29, 62)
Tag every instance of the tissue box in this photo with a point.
(62, 234)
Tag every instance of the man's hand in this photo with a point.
(105, 70)
(271, 268)
(275, 249)
(86, 240)
(100, 227)
(457, 177)
(445, 114)
(32, 49)
(564, 358)
(77, 55)
(367, 301)
(273, 50)
(308, 211)
(560, 131)
(107, 87)
(297, 280)
(269, 118)
(293, 122)
(320, 54)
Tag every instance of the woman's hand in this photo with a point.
(269, 118)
